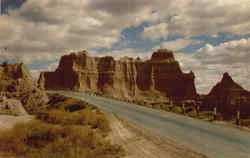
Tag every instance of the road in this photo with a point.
(215, 141)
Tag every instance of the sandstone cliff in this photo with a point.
(229, 97)
(16, 83)
(129, 78)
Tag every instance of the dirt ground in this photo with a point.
(143, 143)
(7, 122)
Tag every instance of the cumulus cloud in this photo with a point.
(54, 26)
(210, 62)
(155, 32)
(207, 17)
(42, 27)
(179, 44)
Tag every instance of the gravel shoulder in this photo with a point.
(139, 142)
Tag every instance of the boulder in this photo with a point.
(12, 107)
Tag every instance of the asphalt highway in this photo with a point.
(213, 140)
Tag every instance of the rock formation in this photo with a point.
(12, 107)
(128, 78)
(229, 97)
(16, 83)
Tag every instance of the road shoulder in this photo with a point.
(140, 142)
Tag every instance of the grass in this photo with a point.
(40, 139)
(68, 128)
(85, 117)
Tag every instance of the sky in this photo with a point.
(209, 37)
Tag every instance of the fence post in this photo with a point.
(198, 110)
(238, 118)
(183, 108)
(215, 113)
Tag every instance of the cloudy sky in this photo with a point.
(209, 37)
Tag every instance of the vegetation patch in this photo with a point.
(61, 133)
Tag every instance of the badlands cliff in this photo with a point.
(229, 97)
(16, 84)
(129, 78)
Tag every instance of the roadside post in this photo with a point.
(171, 105)
(183, 108)
(215, 113)
(198, 109)
(238, 118)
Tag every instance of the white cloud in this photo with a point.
(155, 32)
(179, 44)
(42, 27)
(54, 26)
(210, 62)
(36, 72)
(206, 17)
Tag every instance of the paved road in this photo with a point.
(215, 141)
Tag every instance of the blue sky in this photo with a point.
(10, 4)
(205, 35)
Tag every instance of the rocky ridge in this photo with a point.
(160, 76)
(229, 97)
(16, 84)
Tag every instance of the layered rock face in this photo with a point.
(12, 107)
(229, 97)
(129, 78)
(16, 83)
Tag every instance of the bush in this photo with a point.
(83, 117)
(39, 139)
(57, 101)
(68, 128)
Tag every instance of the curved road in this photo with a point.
(215, 141)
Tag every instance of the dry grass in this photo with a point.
(85, 117)
(39, 139)
(68, 128)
